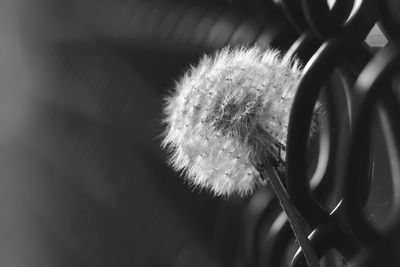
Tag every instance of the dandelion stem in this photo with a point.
(267, 171)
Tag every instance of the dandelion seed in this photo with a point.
(239, 105)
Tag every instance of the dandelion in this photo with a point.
(229, 114)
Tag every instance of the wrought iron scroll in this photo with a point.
(355, 86)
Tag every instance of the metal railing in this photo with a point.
(360, 93)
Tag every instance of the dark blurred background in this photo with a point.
(83, 178)
(84, 181)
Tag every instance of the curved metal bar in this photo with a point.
(319, 18)
(324, 21)
(342, 241)
(304, 47)
(332, 98)
(315, 72)
(341, 9)
(300, 119)
(383, 252)
(388, 111)
(366, 92)
(322, 239)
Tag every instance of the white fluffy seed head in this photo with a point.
(226, 114)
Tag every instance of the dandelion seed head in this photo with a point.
(226, 113)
